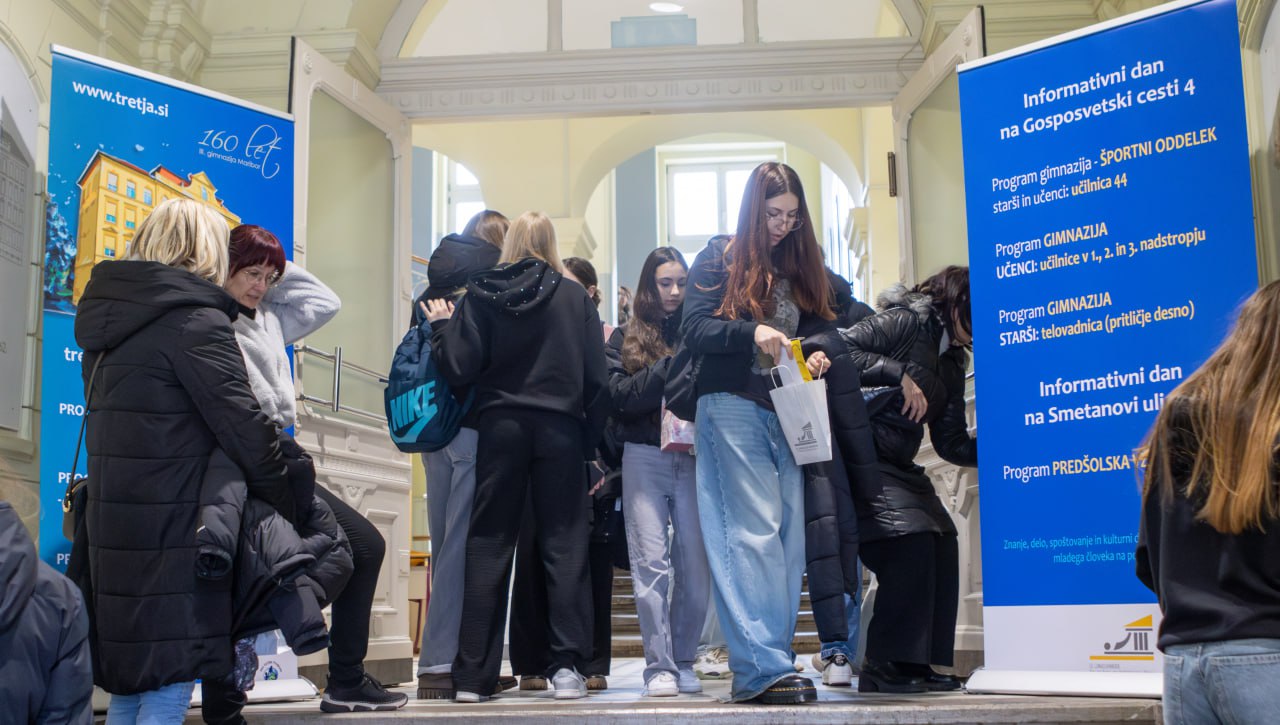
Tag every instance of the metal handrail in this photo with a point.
(335, 404)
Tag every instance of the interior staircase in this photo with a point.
(626, 625)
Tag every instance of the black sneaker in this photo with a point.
(367, 696)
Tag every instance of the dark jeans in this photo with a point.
(349, 631)
(914, 619)
(530, 646)
(535, 456)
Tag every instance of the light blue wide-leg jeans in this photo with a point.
(163, 706)
(1234, 682)
(751, 503)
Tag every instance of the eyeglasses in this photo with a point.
(791, 220)
(256, 275)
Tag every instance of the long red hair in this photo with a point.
(752, 265)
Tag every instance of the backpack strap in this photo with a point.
(84, 419)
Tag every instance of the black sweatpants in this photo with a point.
(537, 454)
(349, 630)
(530, 645)
(917, 598)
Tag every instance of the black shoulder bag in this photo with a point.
(73, 501)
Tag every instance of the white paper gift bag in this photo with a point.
(802, 411)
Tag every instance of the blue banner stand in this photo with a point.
(1111, 239)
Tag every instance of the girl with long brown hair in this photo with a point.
(659, 493)
(747, 297)
(1209, 541)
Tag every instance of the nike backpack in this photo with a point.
(422, 413)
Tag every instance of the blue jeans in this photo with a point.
(668, 571)
(751, 504)
(165, 706)
(451, 489)
(1222, 682)
(852, 613)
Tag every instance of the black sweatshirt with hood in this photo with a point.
(525, 338)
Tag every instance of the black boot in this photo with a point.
(933, 681)
(887, 677)
(790, 690)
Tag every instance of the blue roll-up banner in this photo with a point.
(121, 141)
(1111, 241)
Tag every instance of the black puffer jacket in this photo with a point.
(172, 388)
(45, 675)
(283, 576)
(906, 336)
(637, 397)
(830, 518)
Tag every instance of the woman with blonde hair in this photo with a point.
(529, 345)
(167, 385)
(1209, 540)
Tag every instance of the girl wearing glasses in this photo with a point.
(747, 297)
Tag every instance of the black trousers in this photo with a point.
(349, 630)
(530, 645)
(534, 455)
(917, 600)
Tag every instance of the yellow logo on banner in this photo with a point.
(1136, 645)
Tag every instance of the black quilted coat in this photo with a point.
(282, 576)
(172, 388)
(830, 518)
(906, 336)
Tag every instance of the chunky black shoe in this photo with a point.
(887, 677)
(435, 686)
(790, 690)
(367, 696)
(933, 681)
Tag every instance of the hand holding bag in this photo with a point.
(677, 434)
(803, 415)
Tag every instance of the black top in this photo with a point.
(637, 397)
(1211, 586)
(453, 262)
(171, 389)
(725, 350)
(525, 340)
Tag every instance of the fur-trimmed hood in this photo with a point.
(897, 295)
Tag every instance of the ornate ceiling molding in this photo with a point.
(652, 80)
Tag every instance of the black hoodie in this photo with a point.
(526, 339)
(171, 388)
(44, 645)
(454, 261)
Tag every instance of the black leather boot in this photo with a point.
(790, 690)
(887, 677)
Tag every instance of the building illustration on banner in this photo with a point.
(1134, 647)
(115, 196)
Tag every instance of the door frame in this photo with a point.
(967, 42)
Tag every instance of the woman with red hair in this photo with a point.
(747, 297)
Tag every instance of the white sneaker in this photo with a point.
(688, 682)
(836, 672)
(568, 684)
(464, 696)
(663, 684)
(712, 664)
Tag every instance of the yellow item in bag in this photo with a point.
(798, 355)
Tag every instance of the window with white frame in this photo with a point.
(464, 199)
(704, 186)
